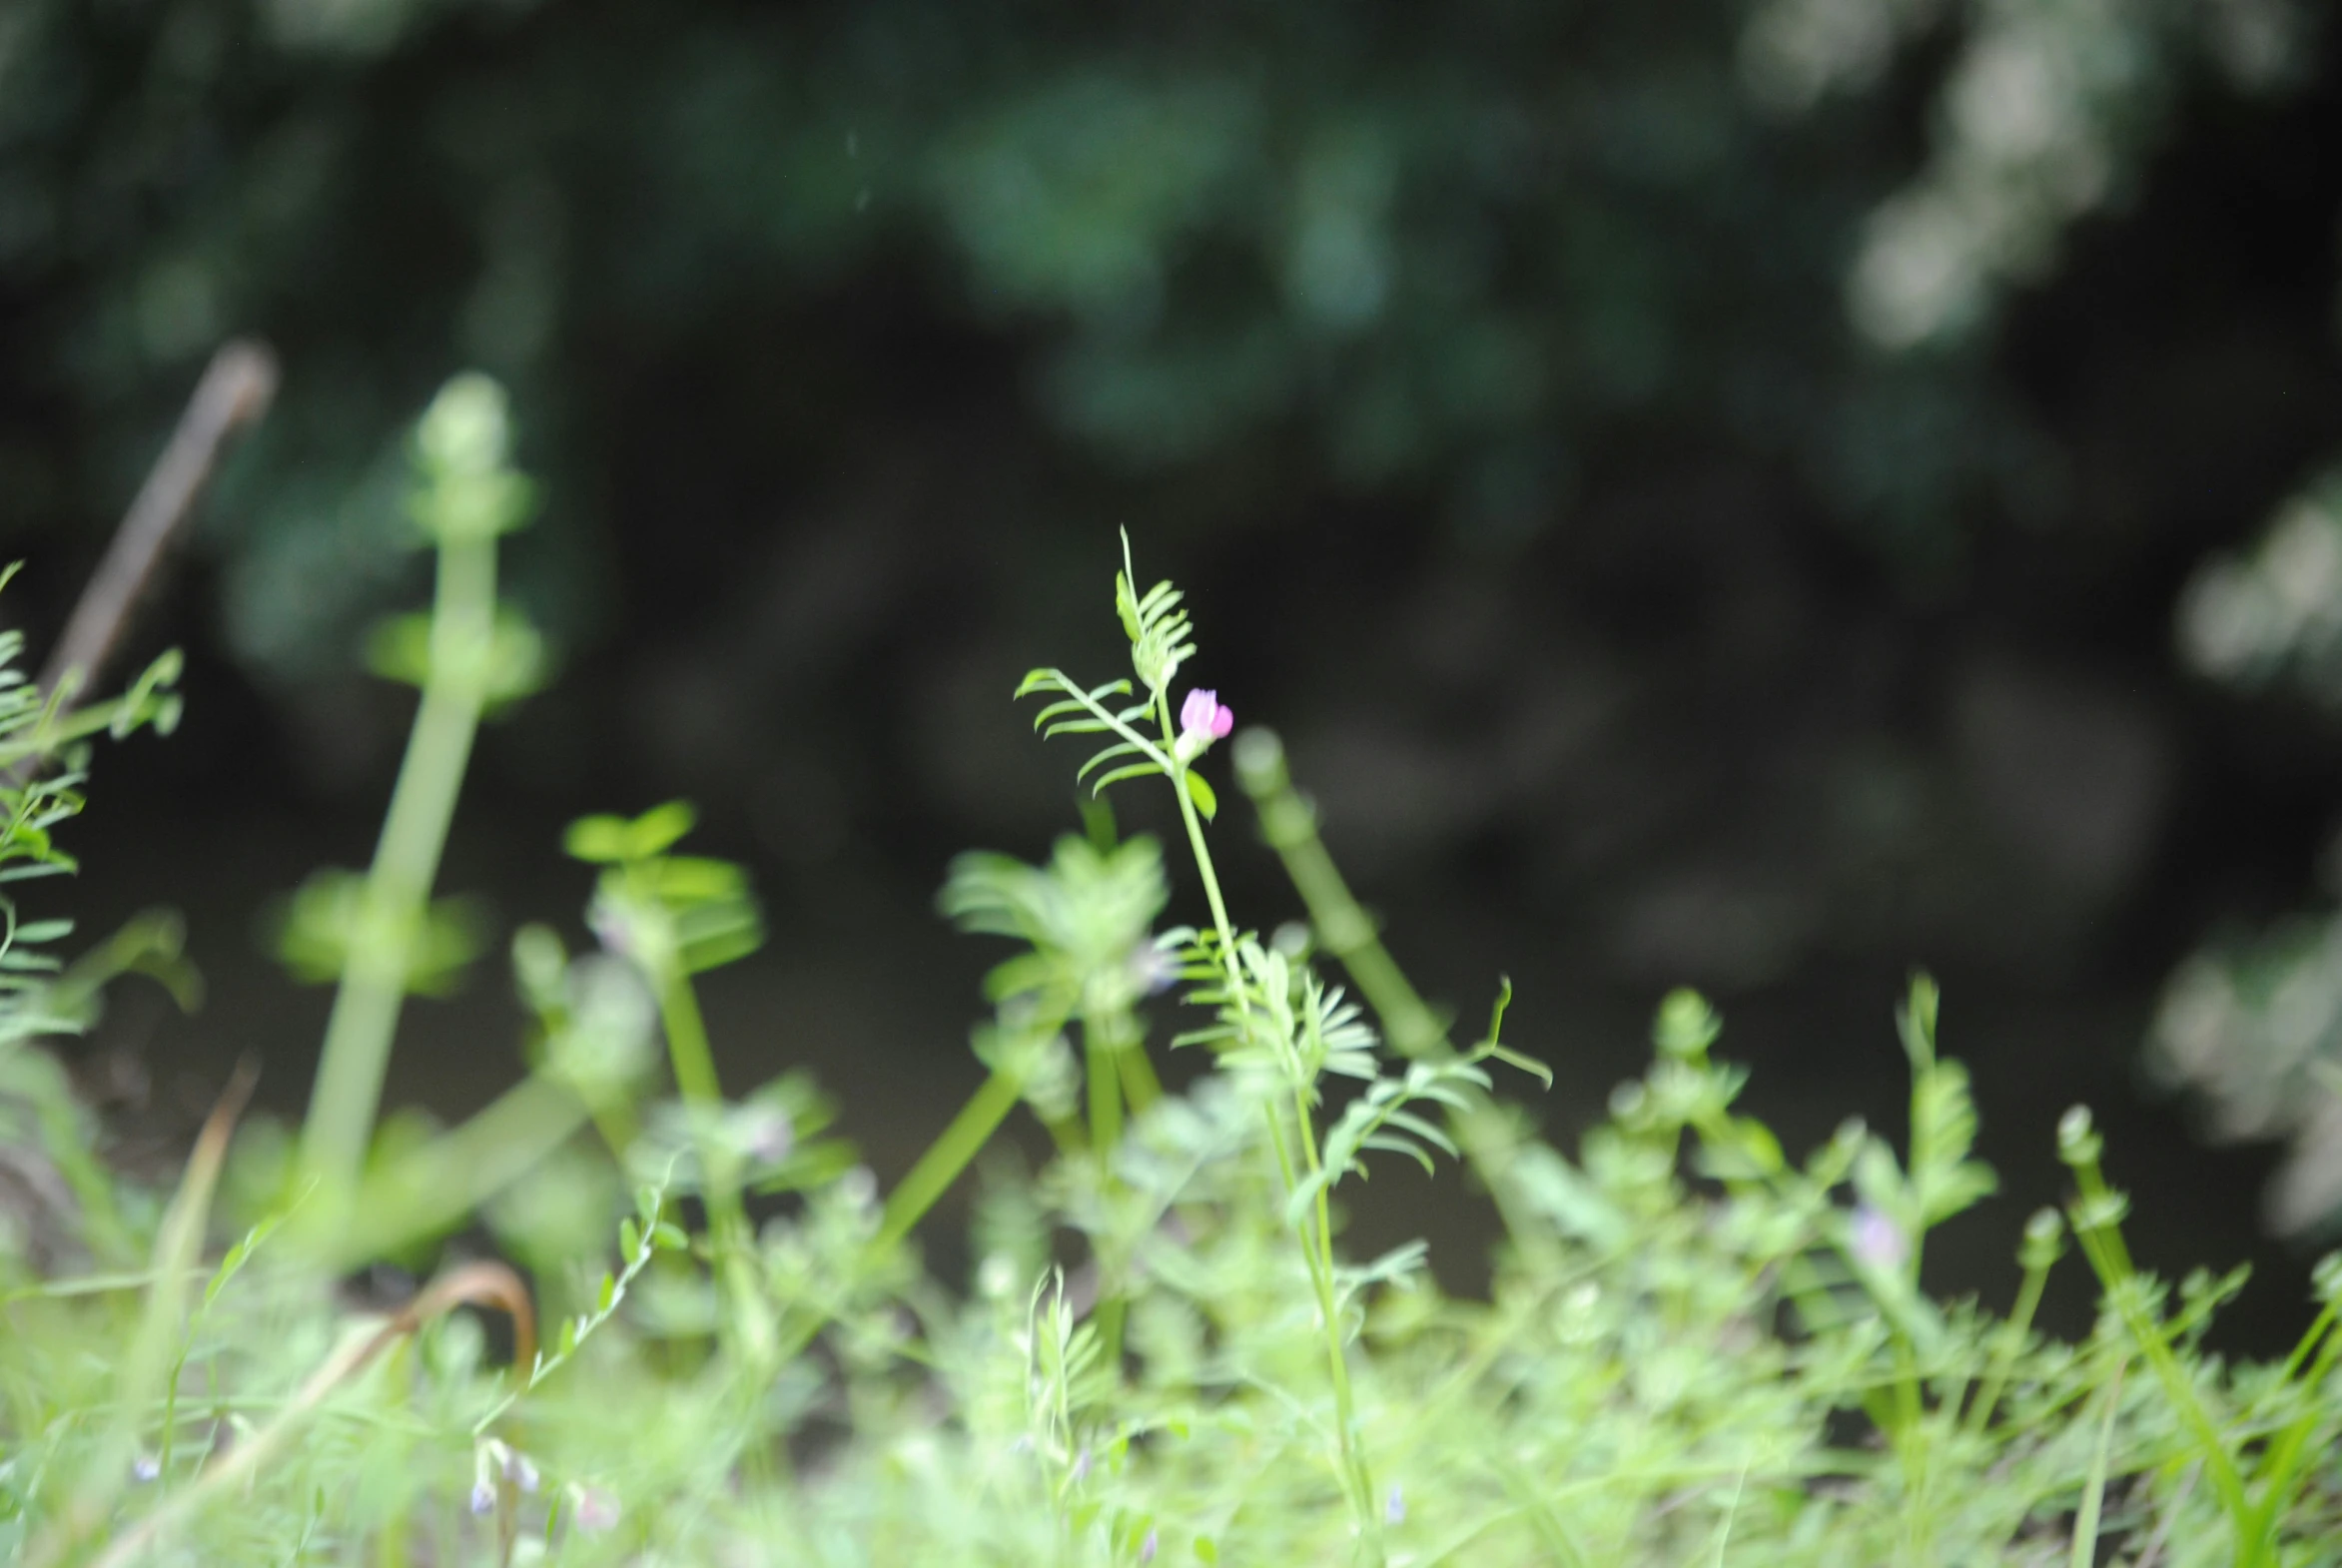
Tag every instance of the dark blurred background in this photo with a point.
(1705, 490)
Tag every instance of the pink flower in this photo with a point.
(594, 1510)
(1201, 721)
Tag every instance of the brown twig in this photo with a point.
(235, 391)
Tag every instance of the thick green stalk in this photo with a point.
(357, 1048)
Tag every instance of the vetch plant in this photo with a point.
(1695, 1348)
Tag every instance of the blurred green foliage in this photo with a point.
(1447, 257)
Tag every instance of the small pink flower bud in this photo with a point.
(595, 1509)
(1203, 720)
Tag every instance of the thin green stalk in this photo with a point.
(1361, 1477)
(2310, 1339)
(2102, 1245)
(946, 1157)
(1105, 1100)
(1348, 933)
(2013, 1332)
(1140, 1087)
(730, 1238)
(438, 1185)
(1204, 869)
(1344, 929)
(1318, 1250)
(357, 1048)
(2286, 1454)
(2093, 1496)
(951, 1153)
(1108, 1040)
(1106, 1131)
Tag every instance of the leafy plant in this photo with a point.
(1694, 1347)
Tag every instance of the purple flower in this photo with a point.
(1394, 1508)
(1203, 720)
(1146, 1549)
(483, 1497)
(146, 1467)
(1151, 968)
(1878, 1241)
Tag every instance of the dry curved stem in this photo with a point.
(236, 389)
(474, 1284)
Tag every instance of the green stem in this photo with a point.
(2286, 1454)
(1105, 1100)
(1344, 930)
(1110, 1038)
(2093, 1496)
(949, 1153)
(2111, 1260)
(729, 1236)
(357, 1049)
(1140, 1087)
(1348, 933)
(1360, 1477)
(1220, 920)
(2013, 1332)
(1317, 1250)
(946, 1157)
(438, 1185)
